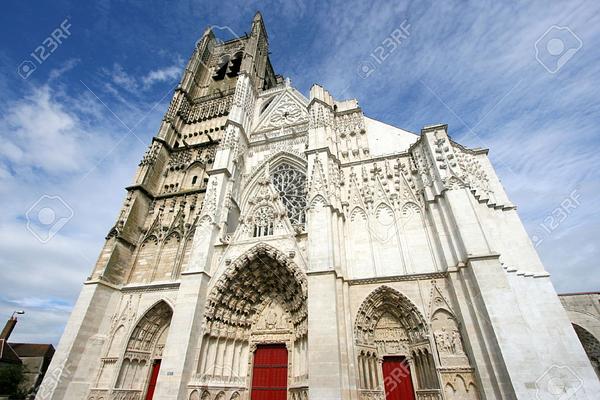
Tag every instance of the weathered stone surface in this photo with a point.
(260, 216)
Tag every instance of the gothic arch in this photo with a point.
(389, 324)
(271, 162)
(167, 259)
(145, 260)
(418, 239)
(116, 342)
(161, 310)
(259, 298)
(317, 201)
(360, 235)
(410, 208)
(381, 206)
(385, 300)
(145, 344)
(358, 212)
(196, 169)
(272, 268)
(277, 191)
(387, 245)
(585, 320)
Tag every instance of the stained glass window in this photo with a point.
(291, 185)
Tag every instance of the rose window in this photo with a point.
(290, 183)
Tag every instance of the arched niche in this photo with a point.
(143, 267)
(194, 177)
(286, 174)
(360, 241)
(168, 257)
(389, 324)
(144, 346)
(386, 241)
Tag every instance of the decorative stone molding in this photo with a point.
(266, 267)
(385, 300)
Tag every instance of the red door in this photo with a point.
(269, 375)
(396, 379)
(153, 378)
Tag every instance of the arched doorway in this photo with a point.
(255, 318)
(140, 363)
(394, 351)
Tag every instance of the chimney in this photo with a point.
(8, 328)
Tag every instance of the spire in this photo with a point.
(258, 25)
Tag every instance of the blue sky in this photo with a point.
(78, 125)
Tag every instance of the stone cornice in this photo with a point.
(383, 157)
(151, 287)
(398, 278)
(152, 196)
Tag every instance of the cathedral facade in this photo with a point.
(274, 246)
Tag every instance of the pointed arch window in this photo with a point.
(263, 221)
(290, 183)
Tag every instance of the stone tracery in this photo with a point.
(290, 183)
(388, 324)
(133, 360)
(260, 298)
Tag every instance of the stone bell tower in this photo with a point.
(179, 192)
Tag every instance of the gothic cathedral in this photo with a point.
(274, 246)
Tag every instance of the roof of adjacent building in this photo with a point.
(577, 294)
(32, 349)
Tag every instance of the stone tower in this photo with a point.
(274, 246)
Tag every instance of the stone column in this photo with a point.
(178, 362)
(324, 358)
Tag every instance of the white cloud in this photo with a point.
(69, 146)
(162, 75)
(41, 133)
(130, 82)
(123, 79)
(63, 69)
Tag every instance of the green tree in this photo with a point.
(11, 377)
